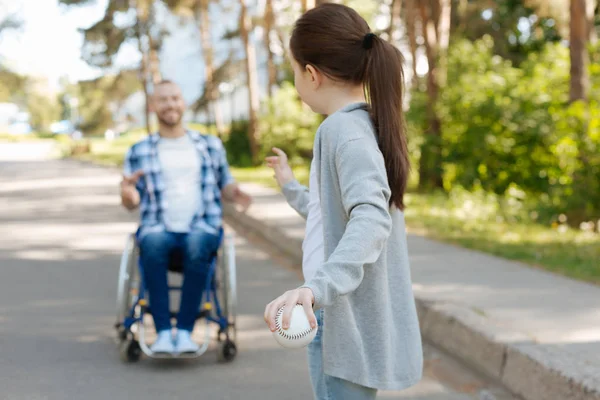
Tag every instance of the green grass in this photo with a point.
(464, 220)
(109, 153)
(567, 251)
(33, 137)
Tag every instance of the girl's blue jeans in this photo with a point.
(327, 387)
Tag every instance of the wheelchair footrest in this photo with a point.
(173, 314)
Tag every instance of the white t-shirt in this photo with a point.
(180, 165)
(312, 247)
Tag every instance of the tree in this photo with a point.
(148, 47)
(43, 110)
(245, 25)
(578, 52)
(99, 97)
(591, 7)
(395, 19)
(200, 10)
(103, 40)
(518, 27)
(12, 86)
(269, 25)
(435, 22)
(307, 5)
(8, 22)
(411, 32)
(211, 85)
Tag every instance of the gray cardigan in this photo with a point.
(371, 332)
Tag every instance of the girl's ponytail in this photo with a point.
(384, 83)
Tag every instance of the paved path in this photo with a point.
(61, 234)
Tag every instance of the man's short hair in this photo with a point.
(161, 83)
(165, 82)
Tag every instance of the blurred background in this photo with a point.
(502, 102)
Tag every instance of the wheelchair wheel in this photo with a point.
(226, 351)
(130, 350)
(128, 282)
(228, 285)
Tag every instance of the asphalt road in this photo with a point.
(61, 235)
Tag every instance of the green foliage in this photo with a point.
(288, 124)
(285, 123)
(103, 40)
(237, 145)
(97, 96)
(511, 130)
(43, 111)
(518, 27)
(12, 85)
(367, 9)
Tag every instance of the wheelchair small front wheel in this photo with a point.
(130, 351)
(227, 351)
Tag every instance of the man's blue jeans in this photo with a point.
(197, 249)
(326, 387)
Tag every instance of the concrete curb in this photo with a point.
(506, 355)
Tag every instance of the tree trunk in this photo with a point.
(283, 39)
(579, 36)
(395, 10)
(245, 28)
(436, 43)
(145, 81)
(412, 35)
(140, 32)
(269, 24)
(578, 51)
(307, 5)
(591, 16)
(154, 61)
(462, 12)
(443, 29)
(204, 27)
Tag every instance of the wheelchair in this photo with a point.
(218, 305)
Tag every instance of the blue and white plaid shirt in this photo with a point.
(214, 176)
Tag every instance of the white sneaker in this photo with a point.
(184, 342)
(163, 343)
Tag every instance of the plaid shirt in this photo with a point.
(214, 176)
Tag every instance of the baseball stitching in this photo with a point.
(283, 333)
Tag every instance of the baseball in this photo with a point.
(299, 334)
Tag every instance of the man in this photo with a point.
(177, 177)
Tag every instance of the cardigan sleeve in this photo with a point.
(365, 195)
(297, 196)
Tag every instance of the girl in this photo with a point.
(355, 265)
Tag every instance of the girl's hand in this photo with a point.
(279, 163)
(289, 299)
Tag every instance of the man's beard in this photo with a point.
(168, 123)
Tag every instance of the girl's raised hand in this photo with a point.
(279, 163)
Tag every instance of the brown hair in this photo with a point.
(337, 41)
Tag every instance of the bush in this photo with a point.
(288, 124)
(508, 129)
(237, 145)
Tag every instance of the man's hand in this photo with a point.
(236, 195)
(279, 163)
(130, 198)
